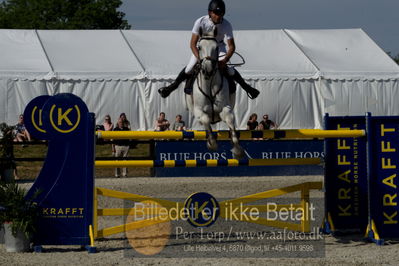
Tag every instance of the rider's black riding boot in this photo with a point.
(188, 88)
(252, 92)
(165, 91)
(232, 84)
(230, 81)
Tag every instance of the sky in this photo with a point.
(378, 18)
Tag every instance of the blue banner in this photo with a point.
(383, 135)
(65, 182)
(256, 149)
(346, 177)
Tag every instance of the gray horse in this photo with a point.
(211, 101)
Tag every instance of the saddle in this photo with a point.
(188, 87)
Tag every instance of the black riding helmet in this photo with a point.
(217, 6)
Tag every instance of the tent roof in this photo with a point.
(137, 54)
(343, 53)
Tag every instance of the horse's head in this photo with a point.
(208, 53)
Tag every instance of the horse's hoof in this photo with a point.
(212, 145)
(238, 153)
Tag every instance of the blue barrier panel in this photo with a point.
(256, 149)
(383, 135)
(65, 182)
(346, 177)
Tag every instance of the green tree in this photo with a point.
(394, 58)
(62, 14)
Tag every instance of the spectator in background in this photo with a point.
(120, 147)
(7, 134)
(108, 126)
(179, 124)
(21, 134)
(252, 124)
(161, 124)
(126, 122)
(266, 123)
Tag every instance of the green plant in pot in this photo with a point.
(18, 217)
(7, 164)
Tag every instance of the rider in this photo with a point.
(216, 11)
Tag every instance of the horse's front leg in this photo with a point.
(228, 117)
(205, 120)
(211, 143)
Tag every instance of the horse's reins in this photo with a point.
(236, 64)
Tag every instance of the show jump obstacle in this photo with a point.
(359, 170)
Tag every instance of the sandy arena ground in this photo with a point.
(348, 250)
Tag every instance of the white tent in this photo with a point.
(301, 74)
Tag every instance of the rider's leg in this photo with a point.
(165, 91)
(228, 74)
(252, 92)
(233, 74)
(183, 75)
(188, 88)
(193, 69)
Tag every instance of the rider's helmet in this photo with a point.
(217, 6)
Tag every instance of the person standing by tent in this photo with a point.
(126, 122)
(108, 125)
(120, 147)
(224, 30)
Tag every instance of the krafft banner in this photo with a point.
(383, 136)
(256, 149)
(65, 183)
(346, 176)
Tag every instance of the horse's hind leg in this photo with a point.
(228, 117)
(205, 120)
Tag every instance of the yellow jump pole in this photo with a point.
(151, 134)
(224, 135)
(95, 213)
(320, 133)
(208, 163)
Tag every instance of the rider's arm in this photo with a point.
(193, 45)
(231, 47)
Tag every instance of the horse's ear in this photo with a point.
(200, 32)
(215, 32)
